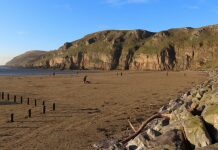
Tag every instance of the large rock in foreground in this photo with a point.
(210, 115)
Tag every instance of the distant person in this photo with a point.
(85, 79)
(54, 73)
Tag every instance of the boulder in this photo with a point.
(198, 96)
(172, 139)
(138, 143)
(214, 97)
(175, 104)
(193, 126)
(210, 115)
(196, 132)
(152, 134)
(210, 147)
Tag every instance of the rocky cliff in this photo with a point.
(174, 49)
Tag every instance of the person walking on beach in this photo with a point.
(85, 79)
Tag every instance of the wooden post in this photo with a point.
(35, 103)
(3, 95)
(29, 113)
(15, 98)
(8, 96)
(12, 117)
(44, 108)
(21, 100)
(43, 103)
(53, 106)
(28, 101)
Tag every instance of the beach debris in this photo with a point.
(188, 122)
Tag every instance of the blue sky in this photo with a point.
(47, 24)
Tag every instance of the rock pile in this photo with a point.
(187, 122)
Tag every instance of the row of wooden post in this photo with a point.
(30, 111)
(28, 103)
(21, 99)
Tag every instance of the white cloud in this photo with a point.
(123, 2)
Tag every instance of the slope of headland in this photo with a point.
(173, 49)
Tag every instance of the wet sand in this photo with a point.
(85, 113)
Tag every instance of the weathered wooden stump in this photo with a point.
(21, 100)
(8, 96)
(15, 98)
(28, 101)
(29, 113)
(44, 109)
(12, 117)
(35, 103)
(54, 106)
(3, 95)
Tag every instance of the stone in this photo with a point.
(203, 90)
(210, 115)
(210, 147)
(193, 126)
(172, 139)
(152, 134)
(174, 104)
(196, 132)
(110, 144)
(193, 92)
(215, 86)
(206, 99)
(138, 143)
(198, 96)
(214, 97)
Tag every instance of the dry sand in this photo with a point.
(87, 113)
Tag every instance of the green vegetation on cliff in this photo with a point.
(184, 48)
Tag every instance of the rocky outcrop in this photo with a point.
(174, 49)
(187, 122)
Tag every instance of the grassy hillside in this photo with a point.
(136, 49)
(26, 59)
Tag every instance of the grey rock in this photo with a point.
(172, 139)
(138, 143)
(210, 147)
(152, 134)
(198, 96)
(210, 115)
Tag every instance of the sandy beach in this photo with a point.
(85, 113)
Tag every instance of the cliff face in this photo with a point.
(174, 49)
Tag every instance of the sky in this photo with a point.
(48, 24)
